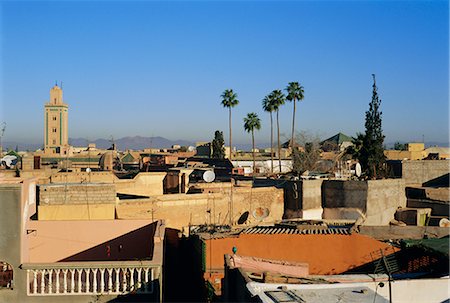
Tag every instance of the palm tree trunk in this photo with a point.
(253, 152)
(293, 128)
(229, 122)
(271, 142)
(279, 145)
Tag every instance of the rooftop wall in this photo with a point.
(180, 210)
(419, 172)
(77, 193)
(375, 200)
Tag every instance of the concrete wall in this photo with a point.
(77, 193)
(303, 199)
(180, 210)
(375, 200)
(421, 171)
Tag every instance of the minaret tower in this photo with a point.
(56, 139)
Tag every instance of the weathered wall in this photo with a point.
(376, 199)
(180, 210)
(383, 199)
(349, 194)
(144, 183)
(303, 199)
(77, 193)
(421, 171)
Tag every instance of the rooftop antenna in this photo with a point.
(2, 131)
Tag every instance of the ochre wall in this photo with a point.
(180, 210)
(77, 212)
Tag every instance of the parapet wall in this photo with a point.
(77, 193)
(374, 200)
(421, 171)
(181, 210)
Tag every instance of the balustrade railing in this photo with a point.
(100, 278)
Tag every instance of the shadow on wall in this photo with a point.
(135, 245)
(442, 181)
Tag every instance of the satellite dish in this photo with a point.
(209, 176)
(444, 222)
(261, 213)
(243, 218)
(88, 170)
(358, 170)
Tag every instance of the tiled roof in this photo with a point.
(338, 139)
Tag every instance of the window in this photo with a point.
(54, 129)
(54, 142)
(54, 118)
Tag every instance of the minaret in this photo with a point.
(56, 139)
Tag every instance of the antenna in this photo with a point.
(2, 131)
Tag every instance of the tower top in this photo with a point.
(56, 95)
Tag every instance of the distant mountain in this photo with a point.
(135, 143)
(11, 145)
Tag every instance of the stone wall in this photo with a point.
(421, 171)
(180, 210)
(77, 193)
(374, 200)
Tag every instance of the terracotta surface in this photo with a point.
(325, 254)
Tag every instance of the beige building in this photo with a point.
(56, 138)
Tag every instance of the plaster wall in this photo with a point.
(76, 193)
(375, 200)
(180, 210)
(421, 171)
(77, 212)
(52, 241)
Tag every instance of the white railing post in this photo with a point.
(139, 279)
(42, 288)
(88, 283)
(64, 281)
(34, 282)
(94, 282)
(72, 280)
(80, 273)
(102, 280)
(117, 283)
(58, 271)
(110, 286)
(50, 280)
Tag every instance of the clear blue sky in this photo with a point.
(157, 68)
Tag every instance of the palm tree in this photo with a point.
(229, 100)
(294, 92)
(268, 106)
(278, 99)
(252, 122)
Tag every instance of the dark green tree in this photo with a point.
(399, 146)
(229, 100)
(371, 154)
(218, 149)
(252, 122)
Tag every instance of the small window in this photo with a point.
(54, 129)
(54, 142)
(54, 99)
(54, 118)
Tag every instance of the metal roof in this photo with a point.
(270, 230)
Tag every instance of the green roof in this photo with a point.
(338, 139)
(440, 245)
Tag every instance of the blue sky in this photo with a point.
(158, 68)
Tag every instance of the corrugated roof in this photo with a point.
(270, 230)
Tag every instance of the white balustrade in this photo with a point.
(55, 279)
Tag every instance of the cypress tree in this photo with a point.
(372, 158)
(218, 146)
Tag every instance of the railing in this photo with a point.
(85, 278)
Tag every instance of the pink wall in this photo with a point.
(53, 241)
